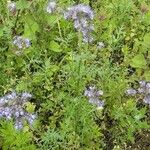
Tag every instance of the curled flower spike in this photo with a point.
(12, 107)
(21, 42)
(93, 96)
(82, 16)
(51, 7)
(77, 11)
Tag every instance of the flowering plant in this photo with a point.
(74, 74)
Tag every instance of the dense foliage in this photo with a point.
(85, 64)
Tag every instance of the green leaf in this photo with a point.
(1, 32)
(31, 27)
(147, 75)
(54, 46)
(22, 85)
(52, 19)
(14, 139)
(146, 18)
(22, 4)
(146, 42)
(138, 61)
(30, 107)
(125, 49)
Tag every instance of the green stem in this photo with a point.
(59, 28)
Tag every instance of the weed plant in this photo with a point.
(72, 56)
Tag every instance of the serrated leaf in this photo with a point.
(26, 129)
(138, 61)
(21, 86)
(29, 107)
(54, 46)
(54, 68)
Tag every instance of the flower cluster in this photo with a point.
(12, 7)
(82, 16)
(12, 107)
(143, 89)
(21, 42)
(51, 6)
(93, 96)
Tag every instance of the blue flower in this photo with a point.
(147, 99)
(21, 42)
(12, 107)
(26, 96)
(51, 6)
(81, 15)
(131, 92)
(18, 125)
(77, 11)
(93, 96)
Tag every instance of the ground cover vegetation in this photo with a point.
(75, 75)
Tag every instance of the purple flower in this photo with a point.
(93, 92)
(22, 113)
(18, 125)
(12, 107)
(2, 101)
(144, 87)
(147, 99)
(148, 88)
(141, 90)
(82, 16)
(17, 114)
(51, 6)
(142, 83)
(77, 11)
(30, 118)
(6, 112)
(144, 90)
(131, 92)
(21, 42)
(26, 96)
(93, 96)
(1, 114)
(100, 105)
